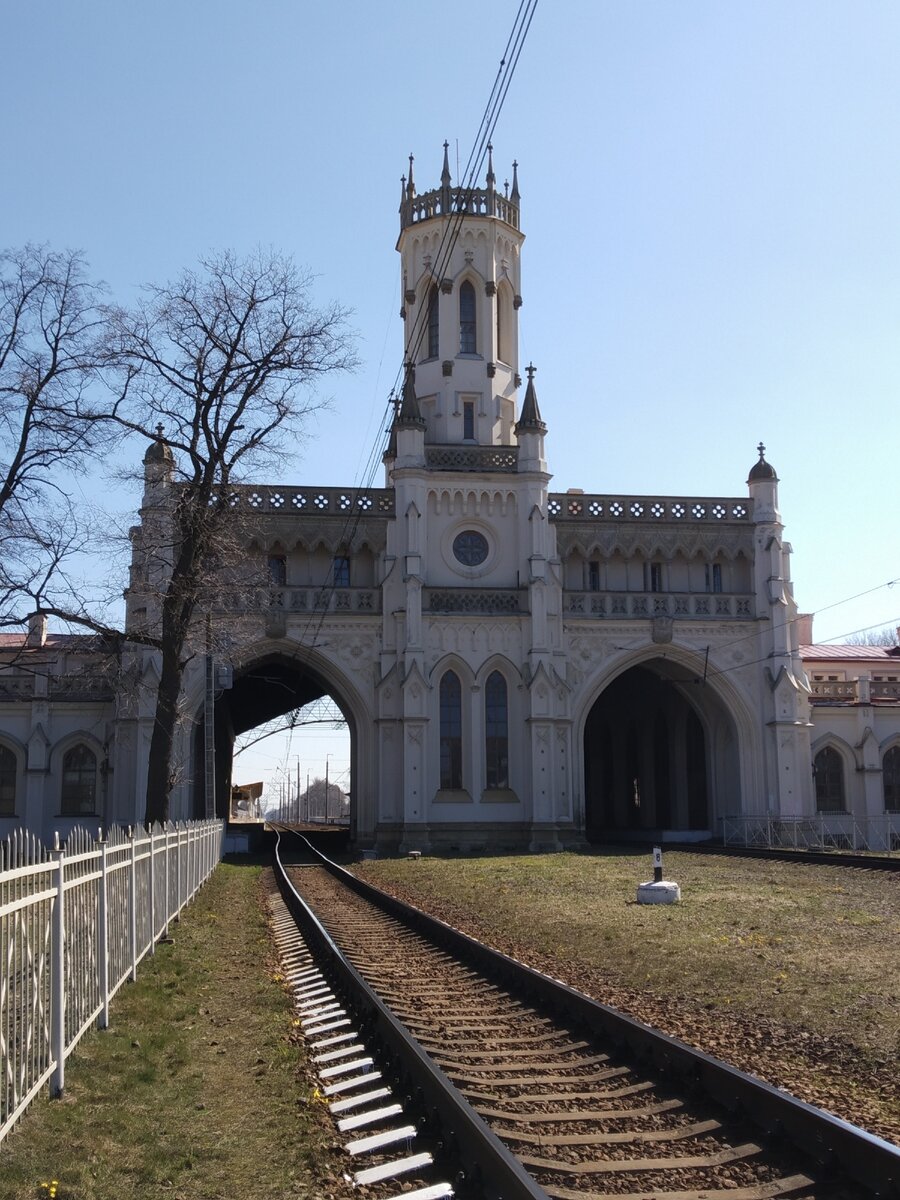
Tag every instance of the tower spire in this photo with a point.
(514, 194)
(410, 415)
(410, 187)
(530, 420)
(445, 173)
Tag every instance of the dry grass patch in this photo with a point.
(198, 1091)
(790, 970)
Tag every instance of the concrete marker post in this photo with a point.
(660, 891)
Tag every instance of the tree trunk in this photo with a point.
(160, 776)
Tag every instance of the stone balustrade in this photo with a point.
(684, 510)
(311, 501)
(495, 601)
(619, 605)
(300, 599)
(440, 202)
(855, 691)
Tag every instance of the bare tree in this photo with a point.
(51, 327)
(215, 370)
(874, 637)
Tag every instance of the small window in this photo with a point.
(829, 775)
(341, 571)
(890, 774)
(277, 570)
(713, 577)
(433, 324)
(593, 576)
(469, 420)
(79, 782)
(467, 340)
(8, 774)
(656, 577)
(496, 731)
(451, 731)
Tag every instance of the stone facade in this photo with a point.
(518, 667)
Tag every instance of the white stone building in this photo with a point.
(517, 667)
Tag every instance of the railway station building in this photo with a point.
(518, 667)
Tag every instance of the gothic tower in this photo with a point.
(470, 699)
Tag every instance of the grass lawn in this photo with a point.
(198, 1089)
(792, 971)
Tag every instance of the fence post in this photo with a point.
(177, 913)
(58, 986)
(168, 900)
(132, 902)
(103, 936)
(152, 897)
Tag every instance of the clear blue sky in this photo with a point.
(710, 194)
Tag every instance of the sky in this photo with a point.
(709, 191)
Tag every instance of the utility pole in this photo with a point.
(327, 756)
(298, 789)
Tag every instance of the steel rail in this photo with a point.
(834, 1144)
(828, 858)
(490, 1169)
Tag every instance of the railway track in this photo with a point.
(528, 1088)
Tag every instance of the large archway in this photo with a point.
(268, 687)
(660, 754)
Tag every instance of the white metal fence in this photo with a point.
(74, 923)
(824, 831)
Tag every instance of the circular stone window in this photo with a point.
(470, 548)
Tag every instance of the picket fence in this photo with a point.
(75, 921)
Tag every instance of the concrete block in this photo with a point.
(664, 892)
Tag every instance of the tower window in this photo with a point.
(7, 782)
(79, 782)
(496, 732)
(451, 731)
(713, 577)
(890, 768)
(829, 773)
(593, 580)
(467, 319)
(433, 338)
(277, 565)
(656, 579)
(469, 420)
(341, 571)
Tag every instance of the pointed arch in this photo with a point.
(432, 323)
(890, 778)
(78, 787)
(496, 732)
(504, 323)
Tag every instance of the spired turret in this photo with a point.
(460, 249)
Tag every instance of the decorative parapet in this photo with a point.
(357, 601)
(642, 605)
(476, 600)
(717, 510)
(442, 202)
(848, 691)
(81, 687)
(472, 458)
(310, 501)
(15, 686)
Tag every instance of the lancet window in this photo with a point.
(829, 775)
(890, 774)
(496, 731)
(433, 323)
(451, 731)
(7, 782)
(79, 782)
(467, 339)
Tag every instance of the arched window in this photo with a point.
(79, 782)
(467, 319)
(7, 782)
(433, 338)
(890, 776)
(451, 732)
(829, 773)
(496, 732)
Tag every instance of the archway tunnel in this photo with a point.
(659, 747)
(267, 689)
